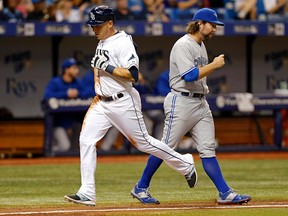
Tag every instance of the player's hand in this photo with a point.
(72, 93)
(98, 62)
(93, 61)
(219, 61)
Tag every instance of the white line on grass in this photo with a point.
(145, 209)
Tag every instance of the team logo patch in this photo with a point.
(92, 16)
(132, 57)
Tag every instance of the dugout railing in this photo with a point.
(218, 103)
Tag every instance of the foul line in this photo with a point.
(145, 209)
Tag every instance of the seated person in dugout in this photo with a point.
(65, 86)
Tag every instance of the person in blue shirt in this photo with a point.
(88, 84)
(162, 87)
(66, 86)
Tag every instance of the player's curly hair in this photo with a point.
(192, 27)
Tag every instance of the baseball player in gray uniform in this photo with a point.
(117, 103)
(186, 108)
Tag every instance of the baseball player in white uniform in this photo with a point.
(186, 108)
(117, 103)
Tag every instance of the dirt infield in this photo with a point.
(141, 209)
(141, 158)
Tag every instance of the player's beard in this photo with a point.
(207, 36)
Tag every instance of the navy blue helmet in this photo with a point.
(100, 14)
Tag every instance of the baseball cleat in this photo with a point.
(76, 199)
(231, 197)
(192, 176)
(143, 195)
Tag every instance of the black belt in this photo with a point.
(195, 95)
(111, 98)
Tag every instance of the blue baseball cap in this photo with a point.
(100, 14)
(208, 15)
(68, 63)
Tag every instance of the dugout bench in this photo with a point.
(218, 103)
(21, 137)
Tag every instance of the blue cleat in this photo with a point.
(143, 195)
(231, 197)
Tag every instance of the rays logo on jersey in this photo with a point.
(102, 54)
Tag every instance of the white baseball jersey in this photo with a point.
(122, 112)
(120, 52)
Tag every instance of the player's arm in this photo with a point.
(130, 74)
(196, 73)
(217, 63)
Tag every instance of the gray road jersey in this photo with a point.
(186, 54)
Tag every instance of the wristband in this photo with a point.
(110, 69)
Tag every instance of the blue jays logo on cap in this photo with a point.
(208, 15)
(68, 63)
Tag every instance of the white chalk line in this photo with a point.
(145, 209)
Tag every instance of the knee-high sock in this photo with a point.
(152, 165)
(213, 170)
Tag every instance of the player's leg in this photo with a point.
(130, 123)
(204, 134)
(142, 193)
(95, 126)
(172, 135)
(140, 138)
(153, 162)
(141, 190)
(174, 130)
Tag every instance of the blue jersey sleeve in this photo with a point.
(88, 85)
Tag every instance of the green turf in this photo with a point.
(45, 185)
(214, 212)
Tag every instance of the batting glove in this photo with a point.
(100, 63)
